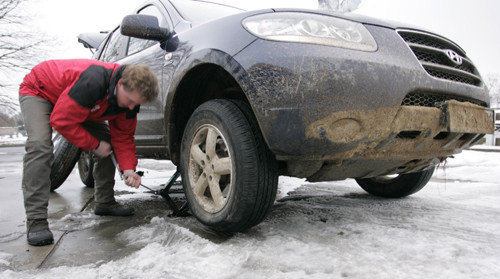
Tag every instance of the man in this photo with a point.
(94, 106)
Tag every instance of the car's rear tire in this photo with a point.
(85, 168)
(396, 187)
(65, 157)
(229, 174)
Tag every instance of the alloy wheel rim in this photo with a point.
(210, 168)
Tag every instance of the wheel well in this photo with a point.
(201, 84)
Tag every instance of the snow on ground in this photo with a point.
(14, 140)
(450, 229)
(77, 222)
(5, 259)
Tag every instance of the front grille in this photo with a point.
(431, 52)
(431, 100)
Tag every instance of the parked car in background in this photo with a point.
(247, 96)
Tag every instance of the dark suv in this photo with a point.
(247, 96)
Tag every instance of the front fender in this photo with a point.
(199, 67)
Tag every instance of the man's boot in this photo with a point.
(113, 209)
(39, 233)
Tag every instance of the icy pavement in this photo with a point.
(450, 229)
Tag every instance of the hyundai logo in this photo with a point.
(454, 57)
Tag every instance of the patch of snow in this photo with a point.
(14, 140)
(5, 259)
(136, 195)
(77, 221)
(288, 184)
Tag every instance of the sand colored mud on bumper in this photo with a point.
(392, 140)
(405, 131)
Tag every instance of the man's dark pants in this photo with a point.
(39, 156)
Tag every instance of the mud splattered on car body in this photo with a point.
(310, 93)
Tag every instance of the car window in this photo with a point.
(135, 44)
(114, 48)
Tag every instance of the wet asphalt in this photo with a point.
(70, 206)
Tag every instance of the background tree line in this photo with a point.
(20, 49)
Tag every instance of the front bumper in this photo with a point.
(408, 132)
(391, 140)
(322, 103)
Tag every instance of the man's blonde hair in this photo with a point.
(140, 78)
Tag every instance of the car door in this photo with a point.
(150, 136)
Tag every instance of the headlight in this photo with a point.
(311, 28)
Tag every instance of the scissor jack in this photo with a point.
(165, 192)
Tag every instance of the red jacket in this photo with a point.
(84, 90)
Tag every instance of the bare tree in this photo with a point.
(9, 112)
(20, 49)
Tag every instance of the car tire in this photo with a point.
(65, 157)
(85, 168)
(396, 187)
(229, 175)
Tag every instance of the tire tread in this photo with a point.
(259, 165)
(65, 157)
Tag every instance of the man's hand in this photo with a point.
(132, 179)
(103, 150)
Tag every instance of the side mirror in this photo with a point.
(143, 27)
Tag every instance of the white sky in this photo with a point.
(64, 20)
(471, 24)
